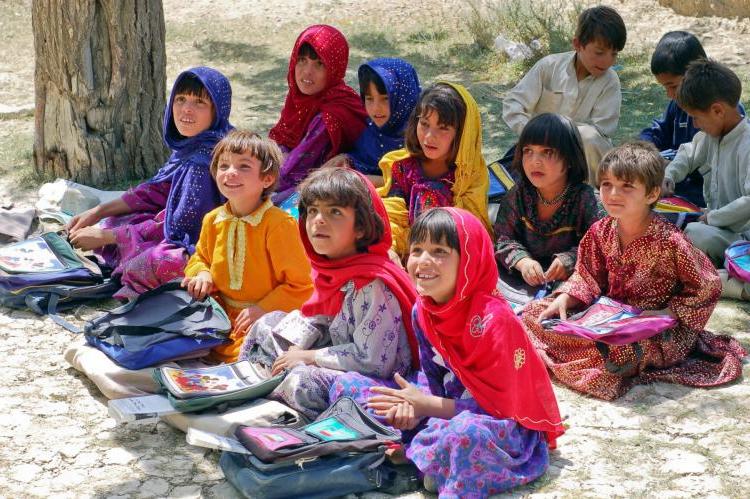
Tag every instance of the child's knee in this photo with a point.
(705, 238)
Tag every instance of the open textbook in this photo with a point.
(214, 380)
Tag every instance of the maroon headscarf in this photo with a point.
(339, 105)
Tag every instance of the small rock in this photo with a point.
(186, 492)
(682, 462)
(153, 487)
(118, 456)
(26, 472)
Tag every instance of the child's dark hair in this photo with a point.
(307, 50)
(190, 84)
(366, 76)
(637, 161)
(706, 82)
(604, 24)
(343, 187)
(442, 99)
(674, 52)
(436, 225)
(264, 150)
(559, 133)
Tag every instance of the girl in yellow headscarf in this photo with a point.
(441, 164)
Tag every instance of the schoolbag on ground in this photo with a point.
(162, 324)
(737, 260)
(45, 274)
(341, 452)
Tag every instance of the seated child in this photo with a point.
(389, 89)
(544, 216)
(580, 85)
(358, 316)
(671, 57)
(441, 165)
(637, 258)
(484, 414)
(709, 93)
(249, 255)
(322, 116)
(153, 227)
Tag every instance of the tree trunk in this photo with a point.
(99, 80)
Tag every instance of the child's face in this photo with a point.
(626, 200)
(192, 114)
(596, 57)
(311, 75)
(433, 268)
(670, 82)
(240, 179)
(331, 229)
(435, 139)
(377, 105)
(712, 120)
(544, 167)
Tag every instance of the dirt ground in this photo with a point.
(55, 438)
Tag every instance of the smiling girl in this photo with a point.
(441, 165)
(238, 258)
(322, 116)
(358, 318)
(542, 219)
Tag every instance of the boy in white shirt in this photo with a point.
(580, 84)
(709, 93)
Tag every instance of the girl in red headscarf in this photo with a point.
(359, 316)
(322, 116)
(484, 414)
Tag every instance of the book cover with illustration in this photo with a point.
(32, 255)
(213, 380)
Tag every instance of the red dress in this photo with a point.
(659, 269)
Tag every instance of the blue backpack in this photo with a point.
(160, 325)
(45, 274)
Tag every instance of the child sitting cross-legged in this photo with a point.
(249, 255)
(709, 93)
(483, 416)
(358, 318)
(638, 258)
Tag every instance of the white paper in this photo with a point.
(208, 440)
(144, 409)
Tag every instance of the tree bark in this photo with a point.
(100, 89)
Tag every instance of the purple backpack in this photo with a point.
(737, 260)
(612, 322)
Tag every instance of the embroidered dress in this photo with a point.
(338, 106)
(155, 240)
(470, 182)
(418, 191)
(402, 87)
(257, 259)
(357, 319)
(659, 269)
(519, 233)
(474, 350)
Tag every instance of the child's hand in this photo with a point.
(395, 258)
(667, 187)
(402, 416)
(199, 286)
(704, 218)
(559, 307)
(291, 358)
(89, 238)
(531, 271)
(390, 398)
(247, 318)
(85, 219)
(556, 271)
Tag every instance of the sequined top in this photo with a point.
(419, 191)
(519, 233)
(657, 270)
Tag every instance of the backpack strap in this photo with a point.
(52, 312)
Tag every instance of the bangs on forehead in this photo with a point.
(437, 226)
(446, 115)
(334, 190)
(620, 171)
(191, 85)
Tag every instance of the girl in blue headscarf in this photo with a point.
(148, 234)
(389, 89)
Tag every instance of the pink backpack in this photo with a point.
(737, 260)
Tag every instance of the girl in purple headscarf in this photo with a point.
(148, 234)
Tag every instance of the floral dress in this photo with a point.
(419, 191)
